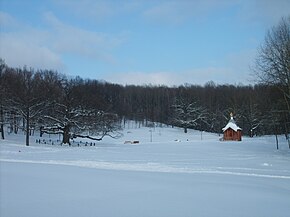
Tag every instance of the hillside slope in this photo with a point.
(176, 174)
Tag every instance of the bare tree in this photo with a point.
(188, 114)
(72, 118)
(272, 64)
(25, 100)
(253, 118)
(3, 68)
(80, 122)
(28, 93)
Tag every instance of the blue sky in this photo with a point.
(139, 42)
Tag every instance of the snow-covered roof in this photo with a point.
(232, 124)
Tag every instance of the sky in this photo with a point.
(172, 42)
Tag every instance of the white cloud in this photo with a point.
(242, 62)
(69, 39)
(96, 10)
(99, 11)
(176, 12)
(19, 52)
(44, 48)
(160, 11)
(235, 69)
(7, 21)
(264, 11)
(249, 11)
(141, 78)
(168, 12)
(21, 45)
(194, 76)
(220, 75)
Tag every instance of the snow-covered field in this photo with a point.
(176, 175)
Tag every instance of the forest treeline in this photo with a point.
(32, 98)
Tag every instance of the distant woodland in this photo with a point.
(258, 109)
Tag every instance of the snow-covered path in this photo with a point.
(186, 177)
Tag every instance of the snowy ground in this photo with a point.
(176, 175)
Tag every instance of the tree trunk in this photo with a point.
(27, 126)
(185, 129)
(277, 143)
(287, 133)
(2, 123)
(15, 127)
(66, 137)
(41, 131)
(2, 131)
(276, 135)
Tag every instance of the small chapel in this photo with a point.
(232, 131)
